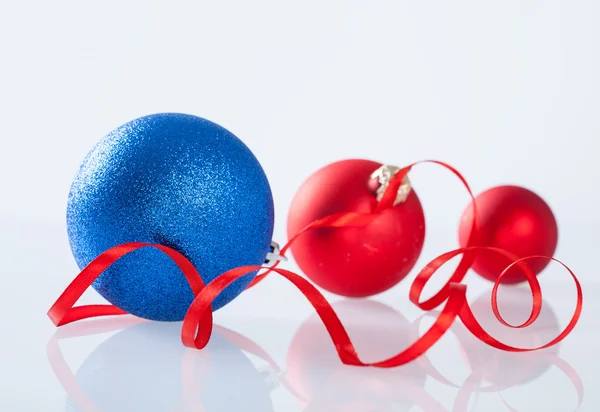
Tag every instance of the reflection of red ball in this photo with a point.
(509, 368)
(316, 373)
(514, 219)
(354, 262)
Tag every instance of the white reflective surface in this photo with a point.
(264, 357)
(505, 91)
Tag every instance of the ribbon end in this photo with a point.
(54, 317)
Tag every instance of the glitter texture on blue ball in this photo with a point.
(176, 180)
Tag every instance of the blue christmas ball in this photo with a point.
(180, 181)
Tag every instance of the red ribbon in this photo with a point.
(198, 322)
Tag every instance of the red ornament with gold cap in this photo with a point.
(361, 261)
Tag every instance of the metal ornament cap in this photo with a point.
(383, 175)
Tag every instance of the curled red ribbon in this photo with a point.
(198, 322)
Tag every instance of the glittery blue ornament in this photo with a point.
(180, 181)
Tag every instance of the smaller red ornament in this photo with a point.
(356, 262)
(514, 219)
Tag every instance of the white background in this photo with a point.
(506, 91)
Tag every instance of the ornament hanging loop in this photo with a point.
(274, 254)
(380, 180)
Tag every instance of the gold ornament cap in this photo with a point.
(383, 175)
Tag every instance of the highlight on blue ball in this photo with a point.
(176, 180)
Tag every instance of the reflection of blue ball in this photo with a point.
(145, 368)
(180, 181)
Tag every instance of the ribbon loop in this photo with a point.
(467, 259)
(63, 310)
(477, 330)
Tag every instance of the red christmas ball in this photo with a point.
(354, 262)
(516, 220)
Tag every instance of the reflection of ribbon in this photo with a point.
(193, 377)
(190, 374)
(569, 371)
(61, 368)
(473, 383)
(329, 385)
(197, 325)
